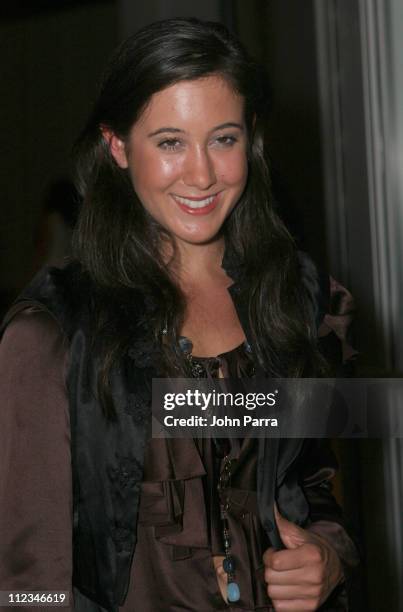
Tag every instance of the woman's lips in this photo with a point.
(197, 206)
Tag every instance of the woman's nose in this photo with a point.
(199, 170)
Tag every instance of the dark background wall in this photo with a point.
(50, 63)
(281, 33)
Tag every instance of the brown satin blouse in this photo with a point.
(179, 517)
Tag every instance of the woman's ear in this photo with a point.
(116, 146)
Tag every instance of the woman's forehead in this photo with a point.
(208, 101)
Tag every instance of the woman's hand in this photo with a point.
(301, 577)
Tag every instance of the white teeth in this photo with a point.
(193, 203)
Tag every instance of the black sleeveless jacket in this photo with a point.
(108, 456)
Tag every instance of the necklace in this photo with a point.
(233, 591)
(198, 369)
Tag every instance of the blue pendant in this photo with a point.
(233, 592)
(229, 565)
(185, 345)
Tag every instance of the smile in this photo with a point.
(196, 205)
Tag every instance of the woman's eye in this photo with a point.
(226, 141)
(170, 144)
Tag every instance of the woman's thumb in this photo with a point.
(291, 535)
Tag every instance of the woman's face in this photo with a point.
(187, 159)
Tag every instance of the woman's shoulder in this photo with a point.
(58, 294)
(34, 340)
(30, 326)
(76, 300)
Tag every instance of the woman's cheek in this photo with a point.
(233, 169)
(152, 170)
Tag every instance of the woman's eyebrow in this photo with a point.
(229, 124)
(172, 130)
(162, 130)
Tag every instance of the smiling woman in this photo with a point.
(181, 268)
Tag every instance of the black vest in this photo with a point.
(108, 456)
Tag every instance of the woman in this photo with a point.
(181, 268)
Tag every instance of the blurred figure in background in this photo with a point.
(52, 243)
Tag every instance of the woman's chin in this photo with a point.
(198, 239)
(198, 235)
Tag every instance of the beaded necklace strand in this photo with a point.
(198, 369)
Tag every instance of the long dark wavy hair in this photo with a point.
(118, 243)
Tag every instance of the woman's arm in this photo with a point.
(35, 472)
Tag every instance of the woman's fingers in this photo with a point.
(296, 591)
(296, 605)
(302, 576)
(284, 560)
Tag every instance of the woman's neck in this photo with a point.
(195, 262)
